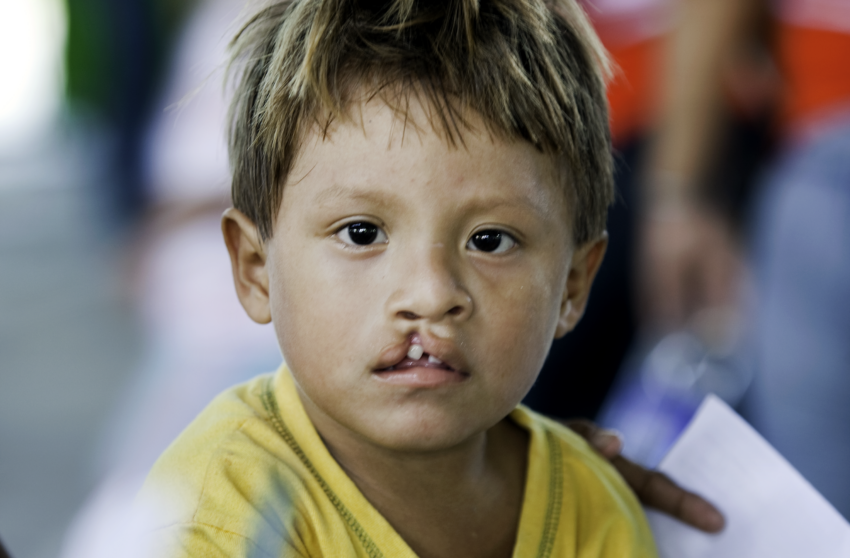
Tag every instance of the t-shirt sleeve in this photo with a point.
(610, 520)
(194, 540)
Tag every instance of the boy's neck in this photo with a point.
(461, 501)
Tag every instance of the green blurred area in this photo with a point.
(116, 54)
(97, 49)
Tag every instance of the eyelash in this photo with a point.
(502, 236)
(346, 230)
(376, 235)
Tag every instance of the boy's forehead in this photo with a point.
(375, 126)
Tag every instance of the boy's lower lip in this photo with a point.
(421, 376)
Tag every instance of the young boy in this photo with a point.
(420, 193)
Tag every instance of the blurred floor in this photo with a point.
(68, 342)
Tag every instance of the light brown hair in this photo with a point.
(531, 69)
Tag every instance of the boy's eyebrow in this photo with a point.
(337, 192)
(385, 198)
(526, 202)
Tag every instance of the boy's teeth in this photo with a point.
(415, 352)
(434, 360)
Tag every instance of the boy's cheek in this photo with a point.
(530, 296)
(323, 317)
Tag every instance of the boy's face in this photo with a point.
(386, 237)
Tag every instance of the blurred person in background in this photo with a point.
(637, 34)
(198, 340)
(118, 55)
(112, 62)
(661, 369)
(799, 228)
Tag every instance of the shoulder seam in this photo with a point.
(220, 529)
(270, 405)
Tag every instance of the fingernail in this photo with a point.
(608, 441)
(713, 521)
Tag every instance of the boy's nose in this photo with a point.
(428, 287)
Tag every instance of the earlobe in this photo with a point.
(248, 261)
(583, 268)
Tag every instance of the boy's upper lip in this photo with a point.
(442, 349)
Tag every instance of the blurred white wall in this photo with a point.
(32, 42)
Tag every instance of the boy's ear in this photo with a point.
(248, 260)
(583, 267)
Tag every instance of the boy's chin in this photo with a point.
(427, 432)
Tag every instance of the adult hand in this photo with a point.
(655, 490)
(689, 260)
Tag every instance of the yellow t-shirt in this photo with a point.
(251, 477)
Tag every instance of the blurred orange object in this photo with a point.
(634, 32)
(633, 93)
(816, 66)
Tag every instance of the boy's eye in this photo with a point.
(492, 241)
(362, 234)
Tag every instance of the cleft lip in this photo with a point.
(445, 351)
(423, 362)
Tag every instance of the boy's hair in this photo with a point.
(531, 69)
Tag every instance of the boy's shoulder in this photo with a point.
(560, 447)
(578, 497)
(199, 486)
(250, 476)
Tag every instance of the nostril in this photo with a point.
(455, 311)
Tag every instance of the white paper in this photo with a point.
(771, 510)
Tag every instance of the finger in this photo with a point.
(656, 490)
(660, 285)
(723, 275)
(582, 427)
(607, 442)
(671, 288)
